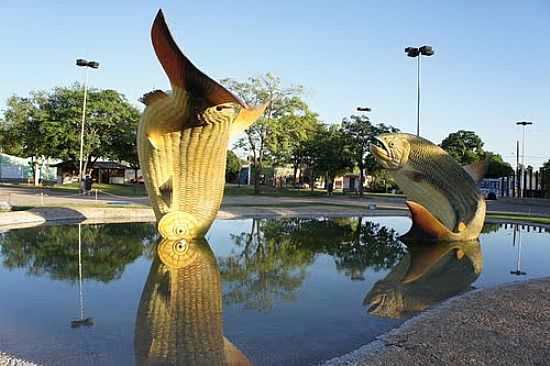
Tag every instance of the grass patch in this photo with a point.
(129, 190)
(519, 217)
(245, 190)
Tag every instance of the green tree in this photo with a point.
(464, 146)
(497, 167)
(361, 132)
(330, 153)
(47, 124)
(293, 131)
(233, 166)
(260, 139)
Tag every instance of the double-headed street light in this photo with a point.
(364, 109)
(524, 124)
(87, 64)
(418, 52)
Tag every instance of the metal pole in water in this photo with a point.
(80, 271)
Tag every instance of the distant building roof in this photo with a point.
(97, 165)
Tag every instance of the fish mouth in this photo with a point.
(380, 150)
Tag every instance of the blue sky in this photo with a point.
(491, 65)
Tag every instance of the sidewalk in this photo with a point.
(506, 325)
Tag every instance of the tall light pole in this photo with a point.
(524, 124)
(418, 52)
(94, 65)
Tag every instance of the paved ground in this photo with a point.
(27, 196)
(507, 325)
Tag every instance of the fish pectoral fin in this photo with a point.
(246, 117)
(153, 96)
(477, 170)
(233, 356)
(153, 140)
(166, 190)
(425, 225)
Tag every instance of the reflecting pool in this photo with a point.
(290, 291)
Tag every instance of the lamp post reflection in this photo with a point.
(518, 271)
(88, 322)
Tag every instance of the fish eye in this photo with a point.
(220, 108)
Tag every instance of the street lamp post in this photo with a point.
(418, 52)
(522, 171)
(94, 65)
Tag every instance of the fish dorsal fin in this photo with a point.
(477, 170)
(425, 225)
(246, 117)
(153, 96)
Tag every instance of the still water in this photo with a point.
(271, 291)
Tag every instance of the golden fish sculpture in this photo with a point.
(180, 314)
(443, 197)
(182, 141)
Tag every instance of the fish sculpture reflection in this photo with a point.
(180, 318)
(427, 275)
(182, 141)
(443, 198)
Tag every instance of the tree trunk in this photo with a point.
(36, 172)
(257, 171)
(295, 173)
(361, 177)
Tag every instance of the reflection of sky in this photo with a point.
(499, 256)
(327, 315)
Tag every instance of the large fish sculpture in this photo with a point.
(443, 197)
(180, 314)
(182, 141)
(426, 275)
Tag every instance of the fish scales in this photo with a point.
(442, 172)
(444, 199)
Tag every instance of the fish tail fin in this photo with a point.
(425, 226)
(181, 72)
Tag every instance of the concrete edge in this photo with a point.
(91, 215)
(377, 347)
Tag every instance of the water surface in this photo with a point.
(293, 291)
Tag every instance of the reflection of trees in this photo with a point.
(274, 255)
(269, 266)
(53, 250)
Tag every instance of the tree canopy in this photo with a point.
(465, 147)
(233, 166)
(360, 133)
(47, 124)
(268, 138)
